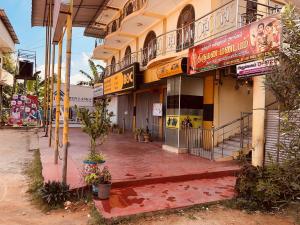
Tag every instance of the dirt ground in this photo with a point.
(215, 215)
(16, 208)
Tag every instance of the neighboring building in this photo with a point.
(81, 96)
(8, 39)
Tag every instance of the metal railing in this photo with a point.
(210, 143)
(232, 15)
(207, 143)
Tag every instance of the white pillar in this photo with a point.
(258, 120)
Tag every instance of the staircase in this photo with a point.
(223, 143)
(231, 147)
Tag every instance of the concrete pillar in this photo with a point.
(161, 100)
(258, 120)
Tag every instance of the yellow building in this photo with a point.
(175, 64)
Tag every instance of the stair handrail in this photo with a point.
(242, 117)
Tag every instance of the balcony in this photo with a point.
(224, 19)
(130, 7)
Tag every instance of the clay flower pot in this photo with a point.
(104, 191)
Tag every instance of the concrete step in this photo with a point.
(134, 200)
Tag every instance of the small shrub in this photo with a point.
(266, 188)
(55, 193)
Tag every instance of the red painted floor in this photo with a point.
(163, 196)
(145, 177)
(130, 161)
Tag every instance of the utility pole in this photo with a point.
(51, 96)
(48, 69)
(67, 92)
(45, 79)
(58, 101)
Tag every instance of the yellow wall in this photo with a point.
(229, 102)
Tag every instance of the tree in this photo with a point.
(96, 75)
(284, 82)
(95, 123)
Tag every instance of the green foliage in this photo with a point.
(284, 82)
(55, 193)
(105, 176)
(269, 187)
(278, 184)
(96, 76)
(95, 123)
(92, 179)
(9, 64)
(95, 157)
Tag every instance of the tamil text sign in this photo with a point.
(244, 44)
(257, 67)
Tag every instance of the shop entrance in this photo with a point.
(125, 111)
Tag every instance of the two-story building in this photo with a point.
(146, 47)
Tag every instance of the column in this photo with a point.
(258, 120)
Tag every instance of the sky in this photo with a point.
(33, 38)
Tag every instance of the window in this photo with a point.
(149, 50)
(127, 57)
(185, 28)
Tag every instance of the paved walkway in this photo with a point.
(145, 177)
(132, 161)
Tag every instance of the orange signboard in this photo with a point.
(244, 44)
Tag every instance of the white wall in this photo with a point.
(6, 43)
(113, 107)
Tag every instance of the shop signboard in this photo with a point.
(255, 68)
(121, 81)
(183, 121)
(98, 90)
(168, 69)
(24, 110)
(242, 45)
(172, 68)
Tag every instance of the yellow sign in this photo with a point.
(182, 121)
(170, 69)
(166, 70)
(120, 81)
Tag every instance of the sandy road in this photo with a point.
(15, 206)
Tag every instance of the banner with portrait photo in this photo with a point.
(245, 44)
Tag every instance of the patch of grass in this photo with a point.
(36, 181)
(96, 218)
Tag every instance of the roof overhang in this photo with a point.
(84, 13)
(9, 27)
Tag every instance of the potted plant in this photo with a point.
(147, 135)
(96, 124)
(92, 177)
(104, 185)
(140, 136)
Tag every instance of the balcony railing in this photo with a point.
(232, 15)
(130, 7)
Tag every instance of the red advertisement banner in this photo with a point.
(244, 44)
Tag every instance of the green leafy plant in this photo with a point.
(95, 123)
(55, 193)
(105, 176)
(92, 179)
(95, 157)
